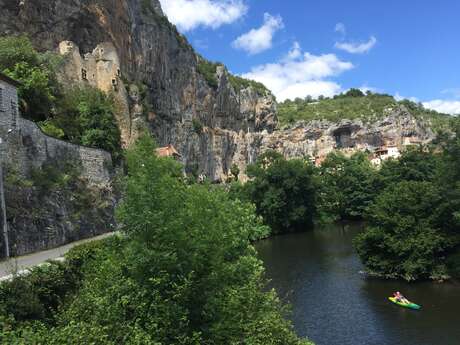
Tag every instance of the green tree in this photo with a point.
(283, 192)
(35, 71)
(415, 164)
(86, 116)
(347, 187)
(404, 237)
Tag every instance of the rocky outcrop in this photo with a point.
(318, 138)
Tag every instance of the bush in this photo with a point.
(208, 71)
(197, 126)
(239, 84)
(49, 128)
(38, 294)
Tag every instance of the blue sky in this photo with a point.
(406, 48)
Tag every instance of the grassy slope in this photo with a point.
(367, 108)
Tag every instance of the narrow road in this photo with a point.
(22, 263)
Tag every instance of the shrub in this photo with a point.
(208, 71)
(197, 126)
(49, 128)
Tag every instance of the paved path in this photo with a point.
(22, 263)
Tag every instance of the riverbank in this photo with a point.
(318, 274)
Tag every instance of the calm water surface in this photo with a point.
(333, 304)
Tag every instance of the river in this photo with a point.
(333, 304)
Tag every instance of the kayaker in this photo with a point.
(400, 298)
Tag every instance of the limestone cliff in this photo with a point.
(151, 55)
(128, 47)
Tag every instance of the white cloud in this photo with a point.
(258, 40)
(190, 14)
(340, 28)
(357, 48)
(444, 106)
(300, 74)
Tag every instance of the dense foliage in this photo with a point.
(413, 224)
(354, 105)
(185, 272)
(348, 186)
(283, 192)
(36, 73)
(81, 115)
(86, 116)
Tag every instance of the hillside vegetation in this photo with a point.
(208, 70)
(354, 104)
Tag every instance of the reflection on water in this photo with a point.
(332, 303)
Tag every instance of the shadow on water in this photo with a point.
(332, 303)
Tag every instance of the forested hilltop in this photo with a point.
(355, 104)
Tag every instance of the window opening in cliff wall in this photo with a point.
(84, 74)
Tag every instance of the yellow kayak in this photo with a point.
(409, 305)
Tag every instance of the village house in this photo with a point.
(385, 152)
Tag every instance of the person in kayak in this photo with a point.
(400, 298)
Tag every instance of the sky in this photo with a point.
(406, 48)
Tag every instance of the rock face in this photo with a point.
(128, 46)
(151, 54)
(318, 138)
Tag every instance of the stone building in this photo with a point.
(8, 105)
(100, 68)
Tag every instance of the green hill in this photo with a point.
(354, 104)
